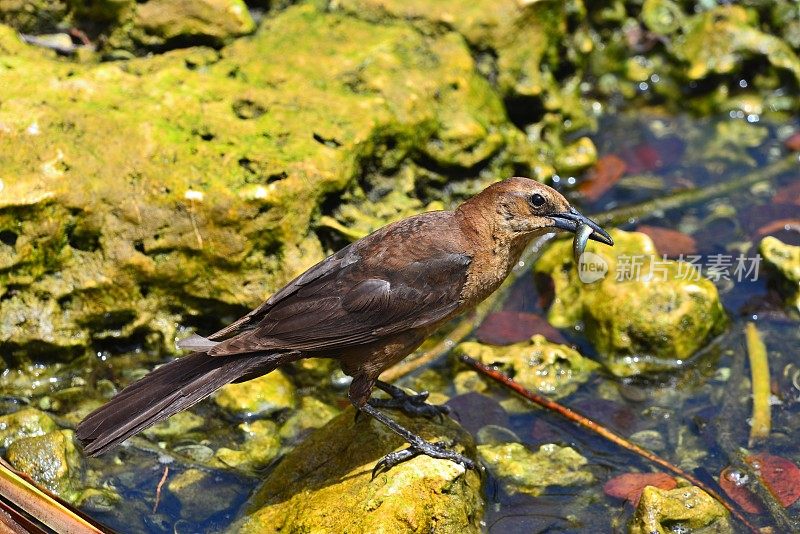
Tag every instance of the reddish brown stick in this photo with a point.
(587, 423)
(160, 485)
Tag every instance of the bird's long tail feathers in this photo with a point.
(169, 389)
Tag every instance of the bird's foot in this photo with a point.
(434, 450)
(413, 405)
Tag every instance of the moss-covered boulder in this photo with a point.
(261, 396)
(25, 423)
(784, 260)
(547, 368)
(688, 508)
(644, 314)
(138, 193)
(531, 472)
(325, 484)
(51, 459)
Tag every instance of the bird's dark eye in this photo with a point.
(537, 200)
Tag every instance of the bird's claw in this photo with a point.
(434, 450)
(413, 405)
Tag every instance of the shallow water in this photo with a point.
(682, 408)
(677, 413)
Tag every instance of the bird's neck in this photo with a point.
(494, 250)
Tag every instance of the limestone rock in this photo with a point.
(261, 396)
(325, 484)
(212, 21)
(785, 261)
(642, 313)
(261, 445)
(547, 368)
(689, 508)
(207, 193)
(526, 471)
(51, 459)
(25, 423)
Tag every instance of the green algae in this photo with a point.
(643, 314)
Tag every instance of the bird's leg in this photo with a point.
(417, 445)
(413, 405)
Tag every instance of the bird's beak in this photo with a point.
(571, 220)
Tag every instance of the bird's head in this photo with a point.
(526, 208)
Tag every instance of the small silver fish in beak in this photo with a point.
(581, 239)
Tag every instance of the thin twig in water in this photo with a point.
(158, 488)
(587, 423)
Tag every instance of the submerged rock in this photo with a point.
(261, 445)
(25, 423)
(261, 396)
(644, 314)
(688, 508)
(202, 494)
(325, 484)
(526, 471)
(51, 459)
(785, 261)
(544, 367)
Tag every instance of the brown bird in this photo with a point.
(368, 306)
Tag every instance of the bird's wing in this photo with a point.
(322, 270)
(358, 296)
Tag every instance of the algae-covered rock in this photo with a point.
(51, 459)
(134, 26)
(176, 426)
(209, 21)
(261, 396)
(689, 509)
(261, 445)
(576, 156)
(25, 423)
(518, 34)
(32, 16)
(644, 314)
(201, 494)
(312, 413)
(526, 471)
(785, 260)
(325, 484)
(215, 167)
(548, 368)
(718, 40)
